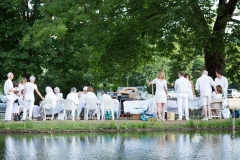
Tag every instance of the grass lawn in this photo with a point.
(56, 126)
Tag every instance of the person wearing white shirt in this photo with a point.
(182, 86)
(50, 96)
(222, 81)
(161, 94)
(22, 84)
(73, 96)
(58, 94)
(10, 97)
(81, 101)
(16, 107)
(29, 98)
(91, 95)
(204, 86)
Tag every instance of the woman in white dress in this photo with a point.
(29, 98)
(16, 107)
(161, 94)
(22, 84)
(191, 92)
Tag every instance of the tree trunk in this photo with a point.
(214, 61)
(214, 48)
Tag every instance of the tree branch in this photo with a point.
(235, 21)
(197, 11)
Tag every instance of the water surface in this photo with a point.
(136, 146)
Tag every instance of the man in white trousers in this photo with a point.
(204, 86)
(9, 92)
(182, 86)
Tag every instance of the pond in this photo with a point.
(154, 145)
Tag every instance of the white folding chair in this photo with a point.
(69, 105)
(48, 108)
(108, 104)
(92, 104)
(216, 105)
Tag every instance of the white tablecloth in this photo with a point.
(192, 104)
(137, 107)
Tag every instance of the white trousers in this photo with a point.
(182, 103)
(28, 105)
(10, 101)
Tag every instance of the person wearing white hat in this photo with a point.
(81, 101)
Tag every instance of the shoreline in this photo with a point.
(121, 126)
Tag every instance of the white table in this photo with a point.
(192, 104)
(135, 107)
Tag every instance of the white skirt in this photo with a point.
(15, 108)
(161, 97)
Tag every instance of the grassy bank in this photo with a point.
(114, 126)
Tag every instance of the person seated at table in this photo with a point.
(49, 96)
(104, 96)
(219, 94)
(74, 97)
(81, 101)
(90, 95)
(58, 94)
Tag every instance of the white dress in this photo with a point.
(160, 96)
(190, 92)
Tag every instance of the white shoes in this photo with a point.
(179, 119)
(187, 119)
(205, 119)
(159, 120)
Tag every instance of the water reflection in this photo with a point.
(120, 146)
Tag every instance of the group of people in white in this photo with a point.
(184, 88)
(20, 97)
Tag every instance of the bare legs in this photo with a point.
(161, 106)
(206, 110)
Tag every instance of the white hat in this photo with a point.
(85, 88)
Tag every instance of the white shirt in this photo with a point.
(21, 86)
(204, 85)
(106, 96)
(29, 89)
(90, 95)
(182, 85)
(73, 97)
(160, 84)
(214, 95)
(51, 96)
(7, 86)
(59, 96)
(223, 82)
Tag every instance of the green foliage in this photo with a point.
(76, 43)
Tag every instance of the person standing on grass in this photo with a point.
(29, 98)
(9, 92)
(191, 91)
(161, 94)
(182, 86)
(204, 86)
(222, 81)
